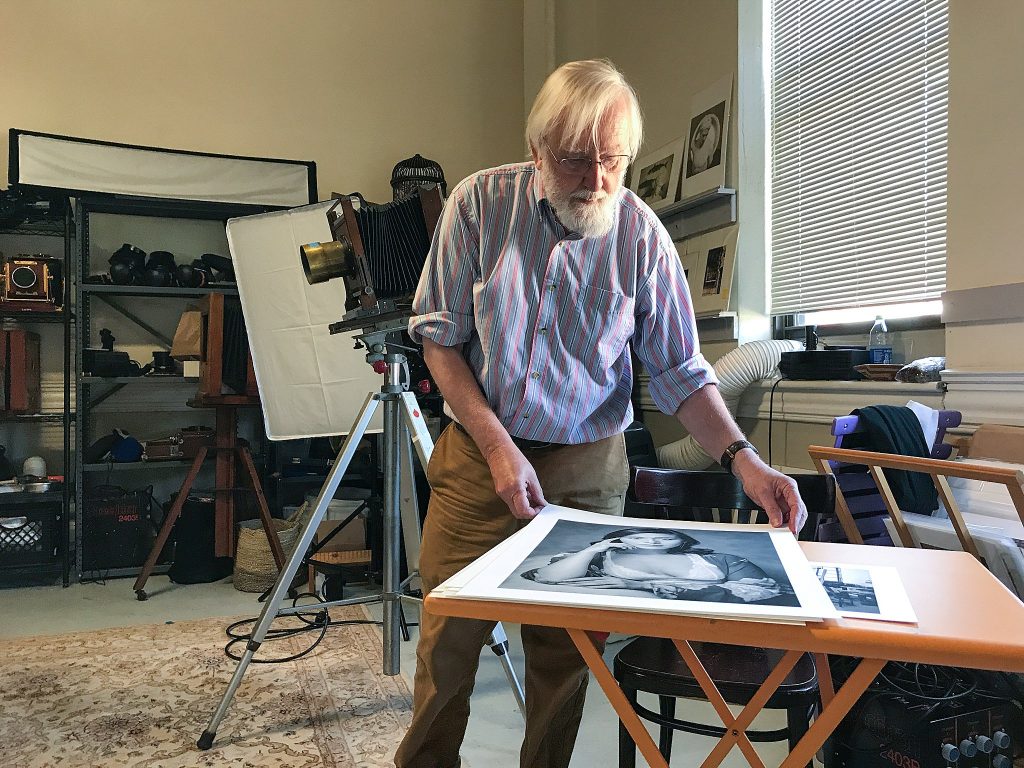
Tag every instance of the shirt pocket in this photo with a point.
(600, 328)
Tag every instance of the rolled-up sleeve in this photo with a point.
(443, 304)
(665, 339)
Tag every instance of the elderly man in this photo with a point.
(540, 277)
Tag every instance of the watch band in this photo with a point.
(732, 450)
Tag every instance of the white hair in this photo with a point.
(573, 101)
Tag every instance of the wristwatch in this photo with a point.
(732, 450)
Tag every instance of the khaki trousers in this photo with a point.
(464, 520)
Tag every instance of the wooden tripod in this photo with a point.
(228, 455)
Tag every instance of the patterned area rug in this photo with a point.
(141, 696)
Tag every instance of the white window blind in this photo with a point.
(858, 132)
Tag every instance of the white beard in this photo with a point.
(593, 219)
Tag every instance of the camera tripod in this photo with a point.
(404, 428)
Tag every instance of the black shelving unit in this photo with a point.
(125, 299)
(46, 515)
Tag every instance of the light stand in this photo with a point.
(403, 422)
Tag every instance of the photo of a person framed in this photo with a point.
(655, 176)
(569, 557)
(705, 148)
(707, 140)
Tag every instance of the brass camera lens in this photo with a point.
(323, 261)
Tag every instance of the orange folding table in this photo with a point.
(940, 585)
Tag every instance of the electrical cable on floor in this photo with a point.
(321, 622)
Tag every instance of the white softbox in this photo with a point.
(312, 383)
(78, 166)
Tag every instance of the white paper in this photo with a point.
(312, 383)
(498, 575)
(866, 591)
(929, 420)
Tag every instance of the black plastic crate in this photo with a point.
(30, 535)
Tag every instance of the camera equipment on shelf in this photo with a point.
(31, 283)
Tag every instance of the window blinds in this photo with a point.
(858, 133)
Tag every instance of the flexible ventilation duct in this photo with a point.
(737, 370)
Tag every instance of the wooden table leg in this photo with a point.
(833, 713)
(825, 687)
(618, 700)
(168, 524)
(736, 726)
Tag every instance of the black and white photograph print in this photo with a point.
(655, 176)
(849, 588)
(873, 592)
(627, 559)
(585, 561)
(707, 140)
(705, 145)
(653, 186)
(713, 271)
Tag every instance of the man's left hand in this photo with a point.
(776, 493)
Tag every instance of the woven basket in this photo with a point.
(255, 569)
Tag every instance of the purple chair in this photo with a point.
(858, 487)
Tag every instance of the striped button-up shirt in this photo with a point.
(546, 317)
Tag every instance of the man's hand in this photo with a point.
(515, 481)
(776, 493)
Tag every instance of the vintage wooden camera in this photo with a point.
(31, 283)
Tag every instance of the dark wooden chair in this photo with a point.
(858, 488)
(653, 665)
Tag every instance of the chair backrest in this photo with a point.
(859, 489)
(849, 425)
(676, 494)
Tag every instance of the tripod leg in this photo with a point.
(261, 500)
(498, 643)
(168, 525)
(284, 579)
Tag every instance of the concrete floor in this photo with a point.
(495, 729)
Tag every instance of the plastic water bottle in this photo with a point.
(880, 342)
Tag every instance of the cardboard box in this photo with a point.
(995, 441)
(351, 537)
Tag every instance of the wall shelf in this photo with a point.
(36, 317)
(137, 379)
(55, 417)
(148, 290)
(127, 466)
(700, 213)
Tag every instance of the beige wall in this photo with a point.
(668, 49)
(986, 177)
(355, 86)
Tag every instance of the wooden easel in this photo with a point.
(228, 452)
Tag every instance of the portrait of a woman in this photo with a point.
(663, 563)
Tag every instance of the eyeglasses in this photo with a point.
(577, 165)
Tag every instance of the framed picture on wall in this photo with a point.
(655, 176)
(710, 278)
(707, 140)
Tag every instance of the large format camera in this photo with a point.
(31, 283)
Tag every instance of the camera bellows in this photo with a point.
(395, 242)
(379, 250)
